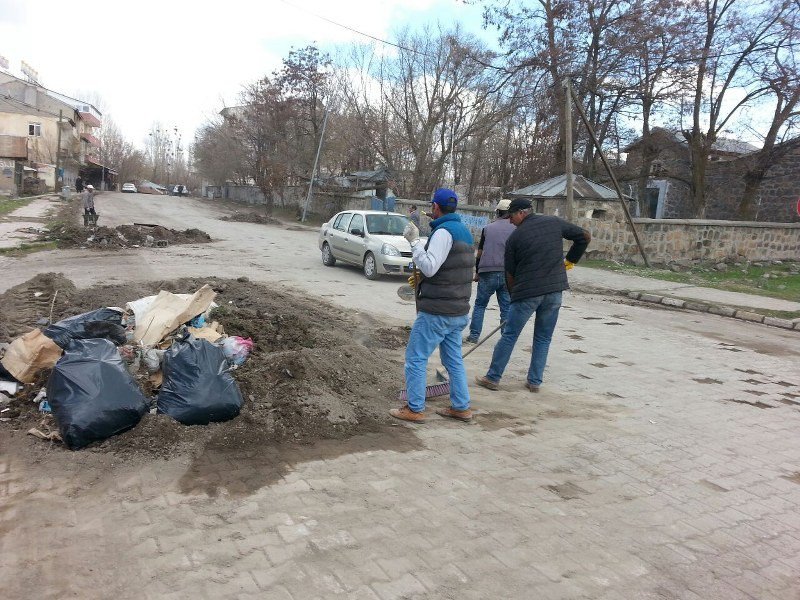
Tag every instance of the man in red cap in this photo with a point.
(442, 293)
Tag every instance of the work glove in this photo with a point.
(568, 265)
(411, 233)
(412, 281)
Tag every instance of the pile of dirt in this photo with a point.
(28, 304)
(251, 217)
(315, 373)
(123, 236)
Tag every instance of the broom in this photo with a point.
(443, 389)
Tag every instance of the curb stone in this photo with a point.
(714, 309)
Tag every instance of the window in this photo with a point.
(35, 129)
(386, 224)
(342, 221)
(357, 223)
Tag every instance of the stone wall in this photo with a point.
(683, 241)
(779, 191)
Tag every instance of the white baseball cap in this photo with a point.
(503, 204)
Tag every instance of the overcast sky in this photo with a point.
(176, 61)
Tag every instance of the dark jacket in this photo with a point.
(535, 255)
(448, 291)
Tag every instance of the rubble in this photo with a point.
(301, 382)
(251, 217)
(123, 236)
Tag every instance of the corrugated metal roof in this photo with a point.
(556, 187)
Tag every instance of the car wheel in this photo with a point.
(327, 256)
(370, 267)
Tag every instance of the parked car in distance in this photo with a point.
(179, 190)
(370, 239)
(129, 187)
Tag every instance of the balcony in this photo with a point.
(89, 119)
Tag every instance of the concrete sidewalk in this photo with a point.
(582, 277)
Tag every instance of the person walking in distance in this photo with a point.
(87, 196)
(413, 215)
(536, 275)
(489, 270)
(442, 295)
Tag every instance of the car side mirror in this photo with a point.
(357, 232)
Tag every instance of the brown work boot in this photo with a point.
(461, 415)
(532, 388)
(487, 383)
(406, 414)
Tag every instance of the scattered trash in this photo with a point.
(198, 322)
(92, 395)
(9, 387)
(157, 318)
(152, 359)
(197, 387)
(102, 323)
(29, 354)
(40, 396)
(52, 436)
(44, 407)
(236, 349)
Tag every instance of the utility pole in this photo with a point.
(568, 148)
(613, 177)
(316, 162)
(58, 150)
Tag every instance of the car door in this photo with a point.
(356, 239)
(338, 236)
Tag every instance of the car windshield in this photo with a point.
(386, 224)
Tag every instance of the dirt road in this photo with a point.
(286, 256)
(658, 461)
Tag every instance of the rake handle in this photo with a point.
(479, 342)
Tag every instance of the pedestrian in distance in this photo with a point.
(536, 275)
(490, 270)
(87, 197)
(442, 296)
(78, 184)
(413, 215)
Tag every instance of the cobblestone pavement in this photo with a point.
(660, 460)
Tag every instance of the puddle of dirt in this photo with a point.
(749, 371)
(599, 365)
(612, 323)
(787, 384)
(757, 404)
(753, 381)
(794, 478)
(567, 490)
(706, 380)
(592, 318)
(240, 472)
(713, 486)
(493, 421)
(788, 402)
(575, 336)
(756, 392)
(576, 351)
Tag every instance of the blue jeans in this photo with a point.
(428, 332)
(546, 308)
(489, 284)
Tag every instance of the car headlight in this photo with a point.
(389, 250)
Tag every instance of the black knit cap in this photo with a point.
(519, 204)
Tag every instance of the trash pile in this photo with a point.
(251, 217)
(102, 362)
(312, 371)
(137, 235)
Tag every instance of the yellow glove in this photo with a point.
(412, 281)
(568, 265)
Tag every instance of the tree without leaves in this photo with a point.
(733, 36)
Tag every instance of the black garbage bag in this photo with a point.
(197, 387)
(92, 394)
(101, 323)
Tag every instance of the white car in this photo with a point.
(129, 187)
(370, 239)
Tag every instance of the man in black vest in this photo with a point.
(442, 294)
(536, 274)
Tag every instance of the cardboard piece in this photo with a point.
(212, 332)
(168, 312)
(29, 354)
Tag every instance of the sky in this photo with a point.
(178, 62)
